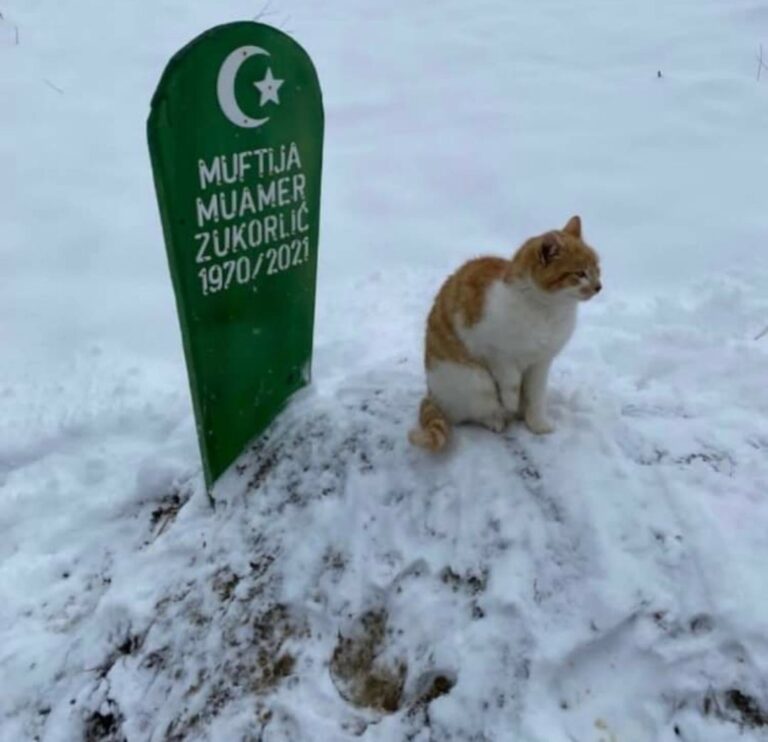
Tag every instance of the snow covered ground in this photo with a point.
(603, 584)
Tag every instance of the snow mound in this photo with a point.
(585, 585)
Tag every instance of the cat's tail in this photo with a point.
(434, 427)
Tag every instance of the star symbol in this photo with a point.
(268, 88)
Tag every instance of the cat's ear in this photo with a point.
(573, 227)
(549, 248)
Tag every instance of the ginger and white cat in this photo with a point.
(494, 329)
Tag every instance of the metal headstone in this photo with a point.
(235, 136)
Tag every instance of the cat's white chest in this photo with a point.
(519, 327)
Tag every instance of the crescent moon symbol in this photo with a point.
(225, 87)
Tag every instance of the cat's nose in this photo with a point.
(598, 287)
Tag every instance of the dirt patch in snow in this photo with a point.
(738, 707)
(359, 673)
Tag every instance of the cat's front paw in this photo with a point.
(496, 422)
(538, 425)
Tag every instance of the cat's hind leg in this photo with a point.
(466, 393)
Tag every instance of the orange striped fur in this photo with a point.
(434, 428)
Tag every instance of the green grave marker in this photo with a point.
(235, 136)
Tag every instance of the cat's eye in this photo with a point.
(580, 274)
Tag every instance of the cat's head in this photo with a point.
(561, 263)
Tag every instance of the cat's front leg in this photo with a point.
(534, 398)
(509, 380)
